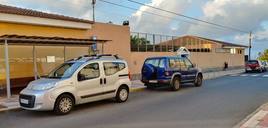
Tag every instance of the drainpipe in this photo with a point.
(34, 63)
(7, 70)
(64, 53)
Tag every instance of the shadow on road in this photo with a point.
(77, 108)
(166, 88)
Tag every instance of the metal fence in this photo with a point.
(146, 42)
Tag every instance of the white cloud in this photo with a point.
(241, 38)
(143, 22)
(74, 8)
(243, 14)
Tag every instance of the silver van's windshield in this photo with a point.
(65, 70)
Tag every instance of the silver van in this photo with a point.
(81, 80)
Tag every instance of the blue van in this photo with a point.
(171, 71)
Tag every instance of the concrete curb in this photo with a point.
(9, 104)
(213, 75)
(10, 108)
(137, 89)
(242, 122)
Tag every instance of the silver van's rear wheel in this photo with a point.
(64, 104)
(122, 94)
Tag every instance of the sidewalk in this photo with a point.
(136, 85)
(13, 103)
(258, 119)
(9, 104)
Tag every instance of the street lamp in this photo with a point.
(93, 2)
(250, 45)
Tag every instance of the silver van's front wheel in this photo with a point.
(64, 104)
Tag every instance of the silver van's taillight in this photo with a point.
(129, 76)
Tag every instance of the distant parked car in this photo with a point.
(81, 80)
(254, 65)
(265, 64)
(170, 71)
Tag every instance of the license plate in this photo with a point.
(24, 101)
(248, 68)
(152, 81)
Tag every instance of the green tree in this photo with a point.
(264, 56)
(135, 40)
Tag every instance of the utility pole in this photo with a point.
(250, 42)
(93, 9)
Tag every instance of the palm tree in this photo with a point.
(135, 41)
(264, 56)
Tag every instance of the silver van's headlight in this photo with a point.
(44, 86)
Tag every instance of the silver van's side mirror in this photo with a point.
(194, 65)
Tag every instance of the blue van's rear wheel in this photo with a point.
(149, 86)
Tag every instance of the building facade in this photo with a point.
(26, 59)
(24, 22)
(207, 54)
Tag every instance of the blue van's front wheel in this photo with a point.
(176, 83)
(198, 81)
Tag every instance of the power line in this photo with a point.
(188, 17)
(172, 18)
(162, 16)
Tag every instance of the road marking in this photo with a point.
(234, 74)
(255, 75)
(265, 76)
(250, 75)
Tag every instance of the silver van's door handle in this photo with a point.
(104, 80)
(101, 81)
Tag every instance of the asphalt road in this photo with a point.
(219, 103)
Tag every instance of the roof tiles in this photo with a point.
(34, 13)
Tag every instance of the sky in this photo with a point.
(246, 15)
